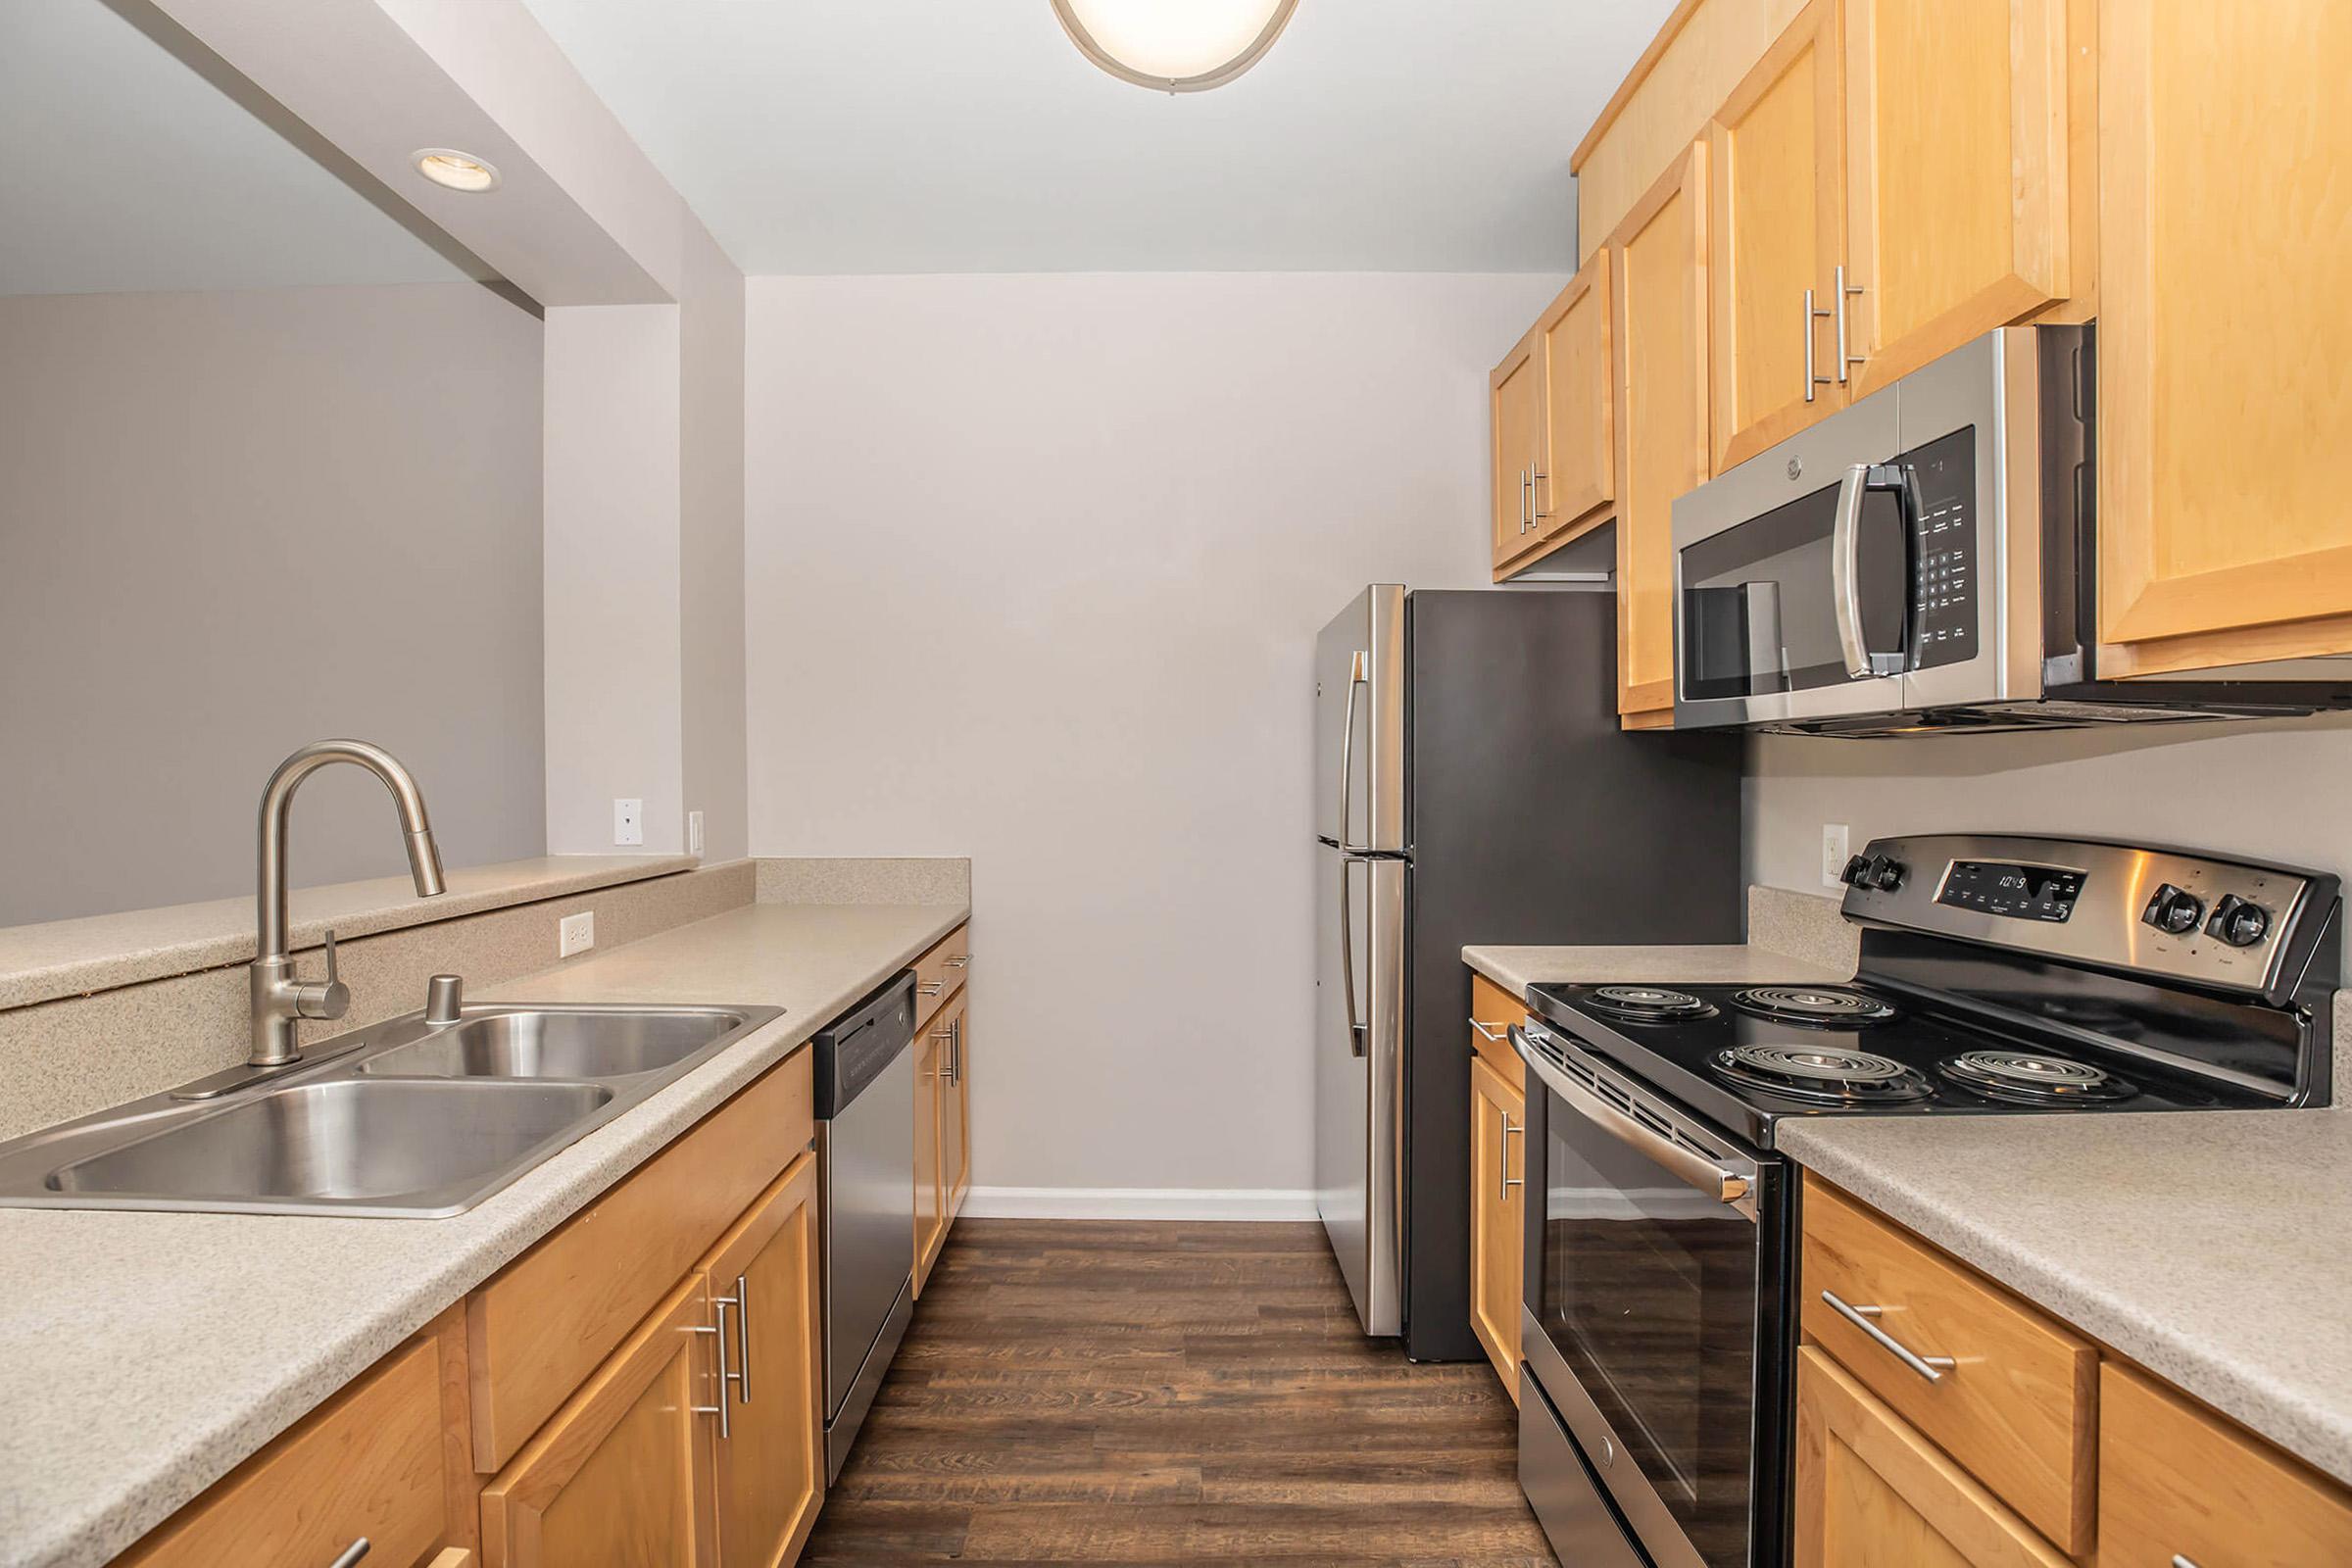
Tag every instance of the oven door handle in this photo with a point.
(1846, 565)
(1728, 1188)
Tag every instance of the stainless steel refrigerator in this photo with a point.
(1473, 785)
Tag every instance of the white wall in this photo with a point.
(231, 522)
(1034, 564)
(2279, 791)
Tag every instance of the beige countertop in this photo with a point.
(1791, 937)
(143, 1355)
(72, 958)
(2209, 1246)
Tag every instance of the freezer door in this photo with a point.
(1359, 722)
(1359, 1019)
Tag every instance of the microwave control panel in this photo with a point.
(1944, 570)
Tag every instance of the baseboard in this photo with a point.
(1139, 1203)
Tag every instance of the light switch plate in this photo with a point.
(628, 821)
(575, 933)
(1834, 855)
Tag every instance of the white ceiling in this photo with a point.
(128, 171)
(971, 136)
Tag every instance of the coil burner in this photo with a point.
(1826, 1006)
(1830, 1074)
(1647, 1003)
(2029, 1078)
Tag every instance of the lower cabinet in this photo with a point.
(1498, 1204)
(771, 1455)
(625, 1473)
(943, 1126)
(1871, 1489)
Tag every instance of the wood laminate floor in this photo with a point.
(1112, 1392)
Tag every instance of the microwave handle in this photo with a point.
(1845, 560)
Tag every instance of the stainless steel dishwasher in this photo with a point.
(866, 1159)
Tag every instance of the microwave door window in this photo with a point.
(1758, 613)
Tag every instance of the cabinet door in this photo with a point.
(1515, 401)
(2225, 406)
(621, 1476)
(1497, 1203)
(955, 1112)
(1659, 257)
(1576, 457)
(771, 1458)
(2179, 1484)
(930, 1197)
(1776, 160)
(1872, 1491)
(1957, 195)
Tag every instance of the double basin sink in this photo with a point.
(405, 1118)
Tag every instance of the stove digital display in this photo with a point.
(2022, 891)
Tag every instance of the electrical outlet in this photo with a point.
(628, 821)
(694, 832)
(575, 933)
(1834, 855)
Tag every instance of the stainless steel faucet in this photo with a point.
(280, 998)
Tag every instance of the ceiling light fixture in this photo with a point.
(446, 166)
(1174, 45)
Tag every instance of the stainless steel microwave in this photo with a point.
(1926, 560)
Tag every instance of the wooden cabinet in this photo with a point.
(1873, 1492)
(1659, 257)
(625, 1473)
(930, 1197)
(2225, 412)
(384, 1460)
(942, 1098)
(1958, 175)
(955, 1112)
(2178, 1483)
(1493, 1012)
(1498, 1210)
(1777, 165)
(1514, 393)
(771, 1458)
(2016, 1404)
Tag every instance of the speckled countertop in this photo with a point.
(1790, 937)
(143, 1355)
(2210, 1247)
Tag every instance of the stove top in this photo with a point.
(1886, 1055)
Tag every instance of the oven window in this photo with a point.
(1757, 615)
(1648, 1292)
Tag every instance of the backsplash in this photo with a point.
(64, 1058)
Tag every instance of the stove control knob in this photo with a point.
(1856, 869)
(1886, 873)
(2173, 910)
(2237, 923)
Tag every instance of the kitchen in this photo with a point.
(835, 525)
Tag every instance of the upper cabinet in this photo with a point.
(2224, 405)
(1776, 150)
(1660, 254)
(1514, 398)
(1554, 425)
(1957, 178)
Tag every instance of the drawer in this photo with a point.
(1496, 1010)
(538, 1329)
(381, 1459)
(2017, 1405)
(939, 973)
(2178, 1483)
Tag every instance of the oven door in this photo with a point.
(1654, 1313)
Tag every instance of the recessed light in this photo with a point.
(446, 166)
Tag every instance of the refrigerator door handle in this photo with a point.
(1359, 672)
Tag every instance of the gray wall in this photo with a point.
(2279, 791)
(232, 523)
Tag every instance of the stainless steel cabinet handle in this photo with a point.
(1844, 357)
(2179, 1561)
(358, 1548)
(743, 1339)
(1813, 377)
(718, 1332)
(1540, 481)
(1488, 1032)
(1930, 1367)
(1509, 1180)
(958, 961)
(932, 988)
(1526, 503)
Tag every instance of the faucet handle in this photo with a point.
(444, 999)
(323, 999)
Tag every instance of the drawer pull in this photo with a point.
(358, 1548)
(932, 988)
(958, 961)
(2178, 1561)
(1488, 1033)
(1930, 1367)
